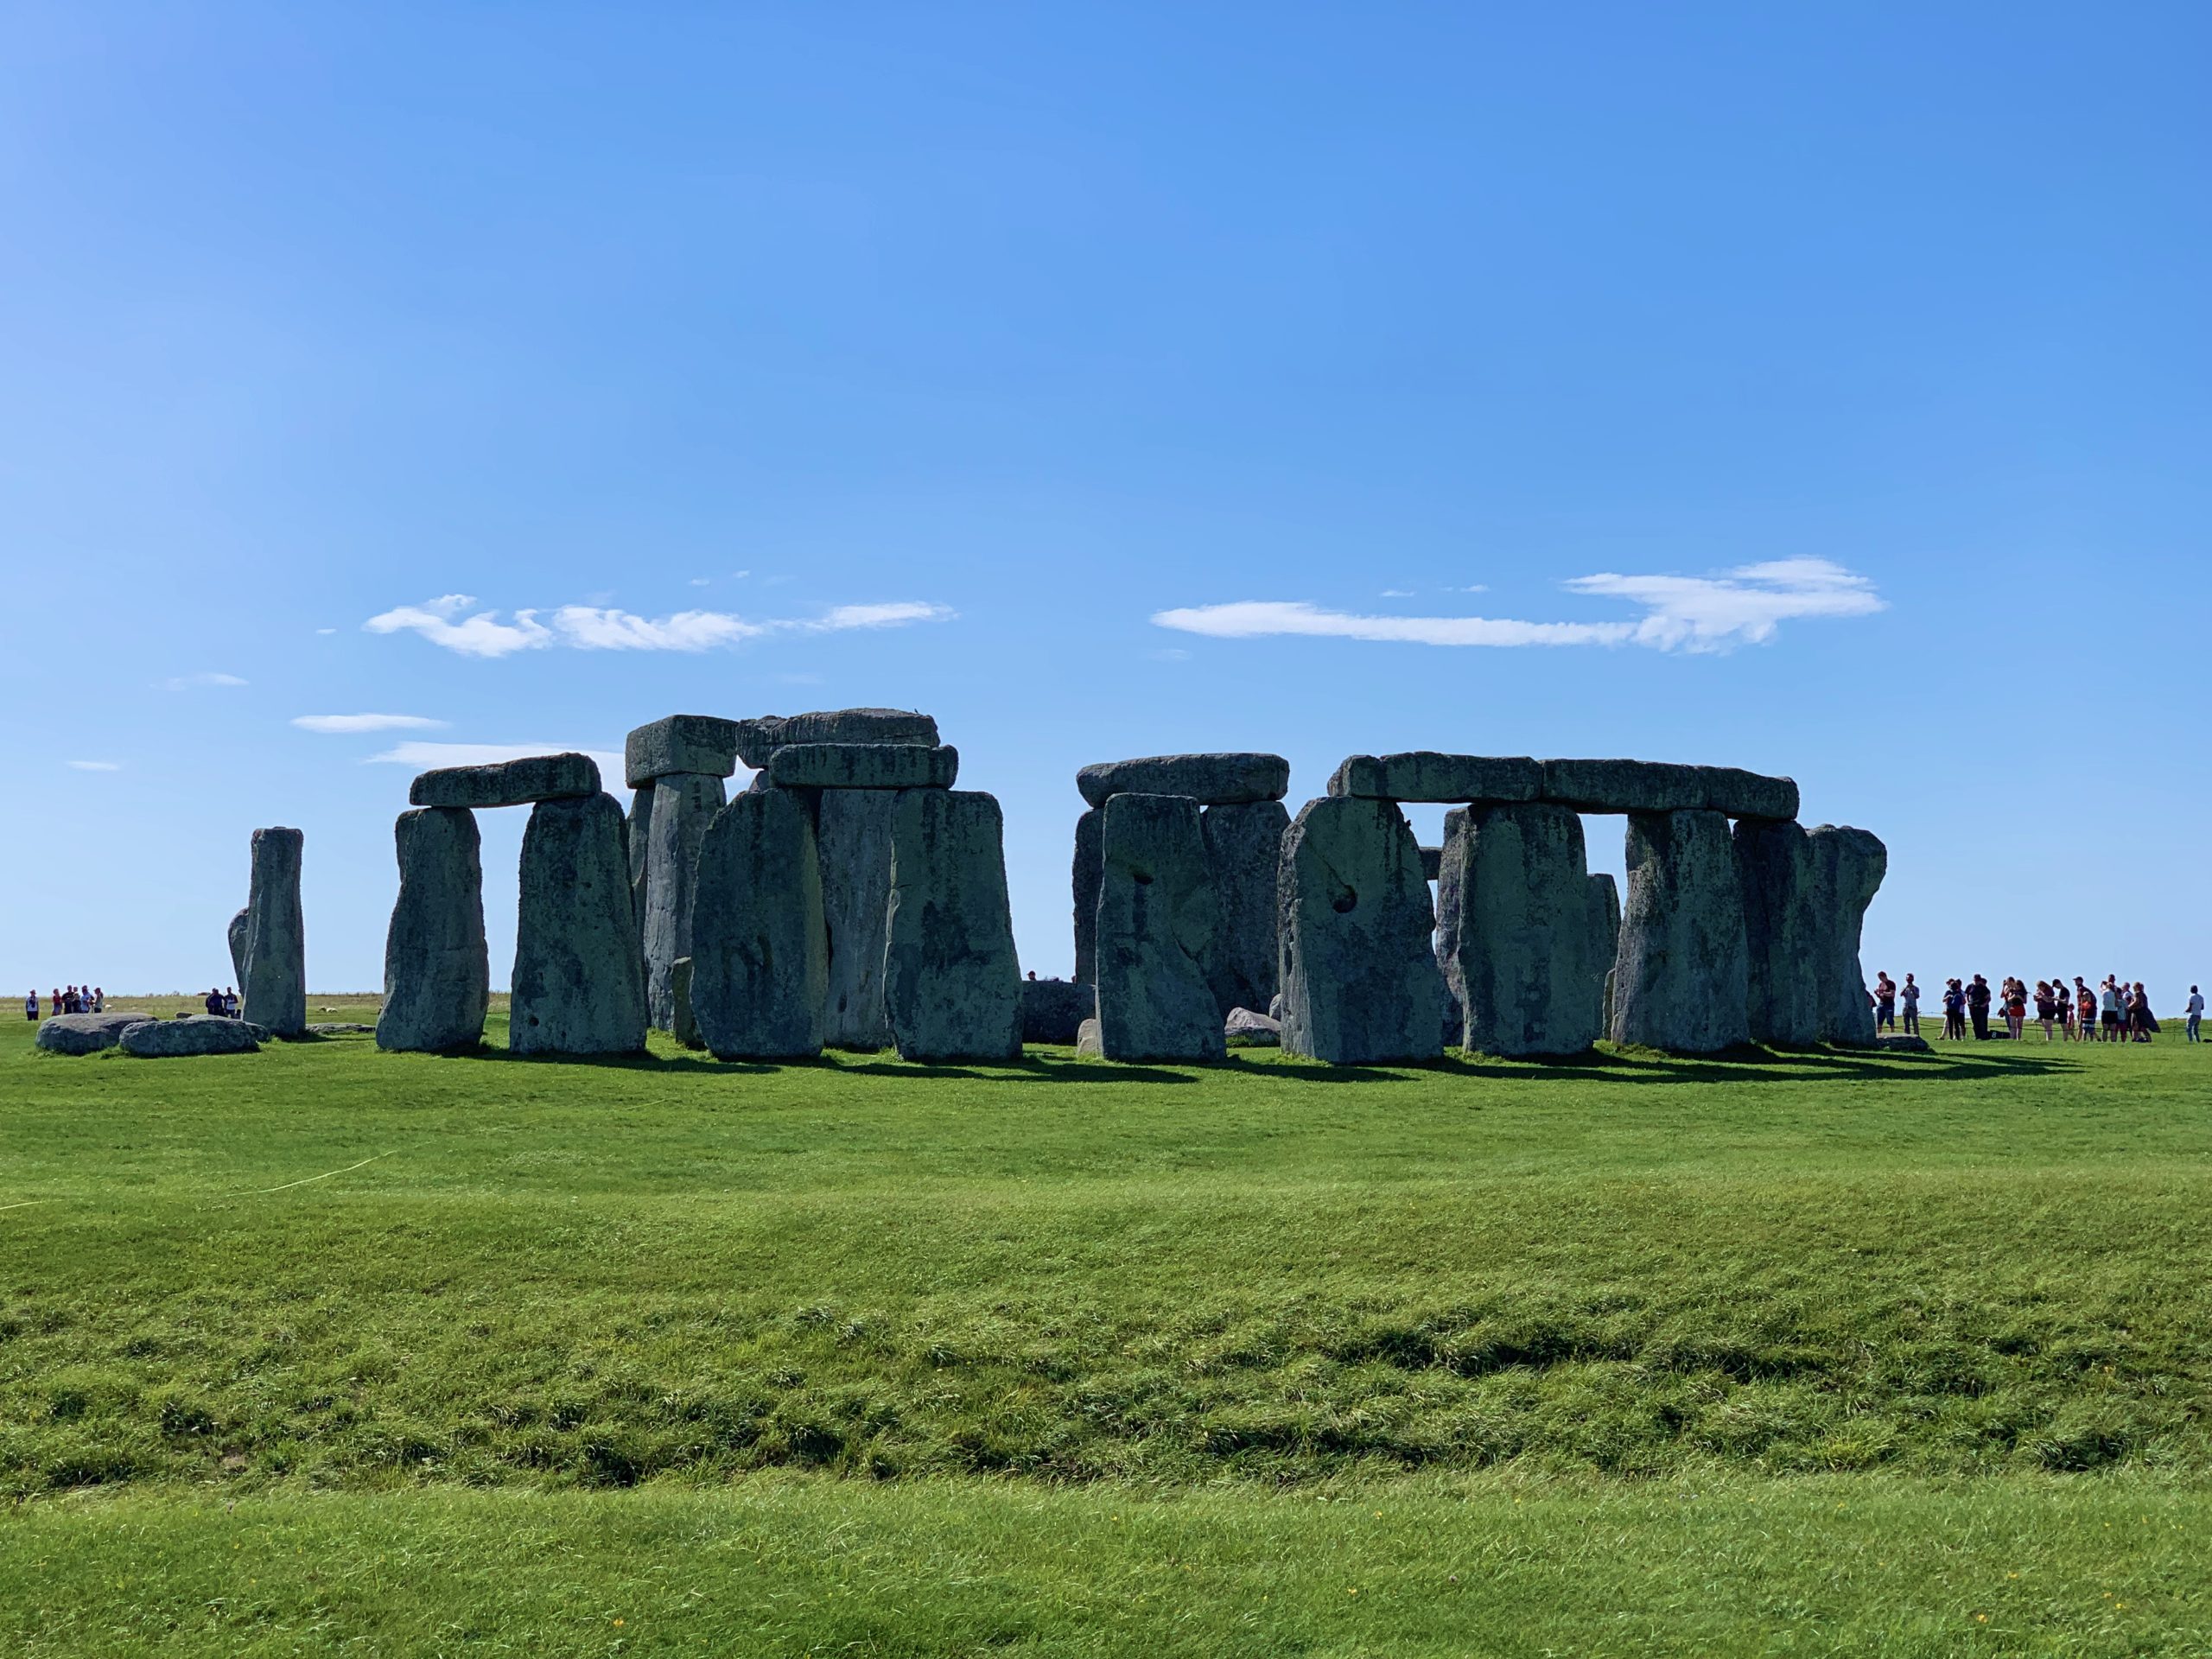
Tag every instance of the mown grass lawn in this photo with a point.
(1789, 1352)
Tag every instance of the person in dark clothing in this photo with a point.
(1978, 1008)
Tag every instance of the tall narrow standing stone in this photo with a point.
(578, 981)
(1451, 867)
(1680, 980)
(241, 924)
(1606, 927)
(1156, 924)
(1360, 983)
(273, 986)
(636, 838)
(684, 804)
(1245, 859)
(951, 980)
(1525, 963)
(759, 952)
(1848, 866)
(437, 971)
(1774, 868)
(853, 843)
(1085, 884)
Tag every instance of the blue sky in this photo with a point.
(1826, 389)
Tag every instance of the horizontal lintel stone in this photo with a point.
(1424, 775)
(864, 765)
(1234, 779)
(523, 782)
(701, 743)
(760, 738)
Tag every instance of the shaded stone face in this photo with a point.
(853, 843)
(1360, 983)
(1659, 786)
(1848, 866)
(579, 984)
(705, 743)
(685, 1029)
(1527, 960)
(1424, 775)
(509, 782)
(864, 765)
(155, 1040)
(273, 985)
(952, 979)
(760, 738)
(1085, 883)
(1156, 924)
(1681, 979)
(759, 952)
(637, 839)
(1053, 1010)
(684, 804)
(240, 925)
(1209, 779)
(1243, 862)
(437, 969)
(1782, 936)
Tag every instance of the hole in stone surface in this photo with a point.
(1142, 877)
(1345, 902)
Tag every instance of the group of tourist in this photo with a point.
(222, 1005)
(73, 999)
(2114, 1010)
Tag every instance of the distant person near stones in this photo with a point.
(230, 1003)
(2193, 1031)
(213, 1003)
(1978, 995)
(2085, 1012)
(2108, 1011)
(1886, 1001)
(2140, 1024)
(2016, 1007)
(30, 1005)
(1909, 995)
(1954, 1011)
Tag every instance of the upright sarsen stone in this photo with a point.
(684, 804)
(637, 836)
(579, 984)
(1245, 859)
(951, 980)
(853, 843)
(1681, 979)
(1526, 960)
(1606, 927)
(1781, 934)
(1848, 866)
(1085, 884)
(240, 925)
(760, 954)
(1156, 923)
(273, 985)
(437, 971)
(1360, 983)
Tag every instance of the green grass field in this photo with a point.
(322, 1350)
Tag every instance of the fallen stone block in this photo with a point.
(84, 1033)
(1245, 1029)
(153, 1039)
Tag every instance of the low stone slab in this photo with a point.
(760, 738)
(156, 1039)
(579, 979)
(1245, 1029)
(437, 971)
(1086, 1038)
(1424, 775)
(509, 782)
(85, 1034)
(701, 743)
(1682, 978)
(952, 979)
(1209, 779)
(864, 765)
(1156, 922)
(759, 951)
(340, 1028)
(1053, 1010)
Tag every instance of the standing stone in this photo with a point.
(1156, 924)
(1360, 984)
(1606, 929)
(273, 985)
(437, 971)
(685, 1029)
(684, 804)
(1244, 860)
(951, 980)
(853, 845)
(1680, 981)
(241, 924)
(637, 836)
(579, 982)
(1781, 934)
(1053, 1010)
(759, 953)
(1848, 866)
(1087, 870)
(1525, 962)
(1445, 871)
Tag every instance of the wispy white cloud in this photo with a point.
(1171, 654)
(326, 629)
(1396, 592)
(1697, 614)
(899, 615)
(479, 635)
(448, 622)
(365, 722)
(193, 682)
(94, 765)
(593, 628)
(428, 756)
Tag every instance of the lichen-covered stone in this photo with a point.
(1243, 862)
(1782, 936)
(952, 979)
(1848, 866)
(685, 1029)
(240, 926)
(84, 1033)
(1053, 1010)
(155, 1040)
(1156, 922)
(509, 782)
(760, 738)
(1424, 775)
(437, 969)
(684, 804)
(1624, 787)
(853, 843)
(273, 988)
(705, 743)
(759, 949)
(1680, 977)
(1209, 779)
(1748, 794)
(864, 765)
(1085, 884)
(1525, 963)
(578, 981)
(637, 840)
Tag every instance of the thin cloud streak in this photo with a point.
(342, 723)
(93, 765)
(428, 756)
(193, 682)
(592, 627)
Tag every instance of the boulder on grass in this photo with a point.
(85, 1034)
(202, 1033)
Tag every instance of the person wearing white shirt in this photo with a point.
(2195, 1016)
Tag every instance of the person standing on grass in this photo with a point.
(230, 1003)
(1954, 1011)
(1910, 997)
(2109, 1029)
(2193, 1031)
(100, 1000)
(2139, 1012)
(1978, 1008)
(2016, 1007)
(2046, 1006)
(30, 1005)
(1886, 1001)
(2085, 1012)
(2063, 1003)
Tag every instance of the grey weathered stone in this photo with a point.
(637, 838)
(1086, 1036)
(579, 982)
(1360, 983)
(1424, 775)
(1245, 1029)
(1898, 1042)
(1156, 922)
(340, 1028)
(1606, 927)
(437, 969)
(951, 980)
(153, 1039)
(760, 738)
(683, 1027)
(1450, 870)
(240, 925)
(1681, 978)
(1781, 937)
(684, 804)
(1525, 962)
(864, 765)
(1085, 883)
(1244, 862)
(1848, 866)
(1661, 786)
(705, 743)
(1209, 779)
(84, 1033)
(1748, 794)
(1432, 862)
(273, 989)
(1053, 1010)
(524, 782)
(853, 846)
(759, 950)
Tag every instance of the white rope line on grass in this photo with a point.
(303, 1180)
(27, 1202)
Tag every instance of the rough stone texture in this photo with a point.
(1659, 786)
(1085, 883)
(273, 988)
(1681, 979)
(579, 981)
(155, 1040)
(1900, 1042)
(1782, 936)
(1156, 922)
(695, 743)
(239, 925)
(637, 836)
(1360, 984)
(952, 979)
(509, 782)
(1244, 862)
(684, 804)
(1053, 1010)
(759, 739)
(1451, 869)
(1748, 794)
(1424, 775)
(437, 969)
(84, 1033)
(1848, 866)
(340, 1028)
(1209, 779)
(853, 843)
(864, 765)
(1086, 1036)
(1606, 922)
(1432, 862)
(684, 1028)
(1526, 962)
(1245, 1029)
(759, 950)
